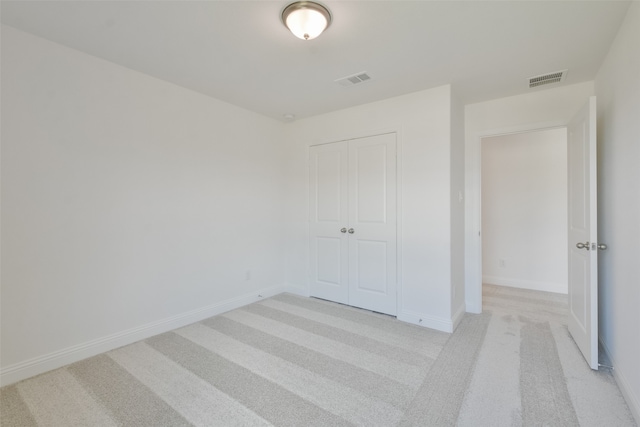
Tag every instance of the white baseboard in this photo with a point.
(473, 307)
(297, 290)
(633, 401)
(41, 364)
(457, 315)
(558, 288)
(437, 323)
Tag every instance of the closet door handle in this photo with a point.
(351, 231)
(343, 230)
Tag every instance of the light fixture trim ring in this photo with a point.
(301, 5)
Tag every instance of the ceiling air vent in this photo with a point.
(548, 78)
(353, 79)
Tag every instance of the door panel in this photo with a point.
(329, 189)
(578, 298)
(329, 260)
(327, 216)
(583, 233)
(371, 185)
(371, 273)
(372, 216)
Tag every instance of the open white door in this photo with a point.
(583, 232)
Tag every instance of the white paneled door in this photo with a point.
(328, 203)
(583, 245)
(353, 222)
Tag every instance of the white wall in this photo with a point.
(129, 205)
(422, 121)
(132, 206)
(537, 110)
(524, 210)
(457, 208)
(618, 91)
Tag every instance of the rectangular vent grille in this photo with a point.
(353, 79)
(545, 79)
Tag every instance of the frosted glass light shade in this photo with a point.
(306, 19)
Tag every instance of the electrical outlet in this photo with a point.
(501, 263)
(247, 275)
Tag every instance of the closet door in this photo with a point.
(353, 222)
(372, 223)
(328, 219)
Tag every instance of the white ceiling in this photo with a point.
(239, 51)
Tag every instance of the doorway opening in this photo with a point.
(524, 210)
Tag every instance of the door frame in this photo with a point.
(473, 206)
(365, 134)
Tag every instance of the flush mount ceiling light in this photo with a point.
(306, 19)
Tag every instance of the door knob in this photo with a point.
(602, 246)
(351, 231)
(343, 230)
(580, 245)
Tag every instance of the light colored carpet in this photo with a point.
(542, 393)
(293, 361)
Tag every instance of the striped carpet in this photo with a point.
(294, 361)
